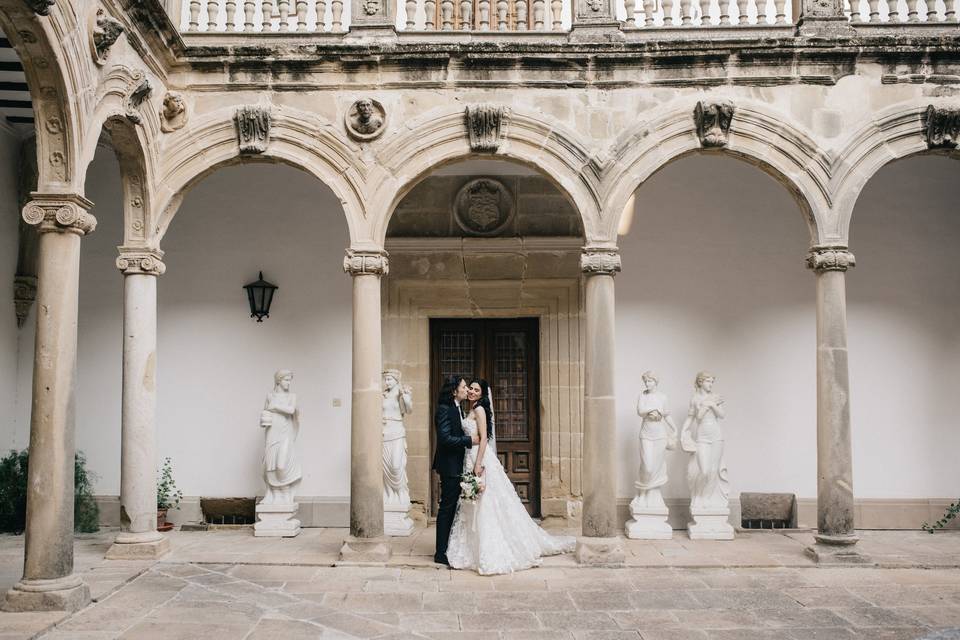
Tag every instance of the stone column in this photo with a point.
(835, 537)
(138, 537)
(48, 580)
(366, 439)
(600, 527)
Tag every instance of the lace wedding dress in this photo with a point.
(495, 534)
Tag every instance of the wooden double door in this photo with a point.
(504, 352)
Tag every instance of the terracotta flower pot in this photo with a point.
(162, 524)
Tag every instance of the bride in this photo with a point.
(495, 534)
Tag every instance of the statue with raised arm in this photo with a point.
(280, 420)
(397, 402)
(702, 437)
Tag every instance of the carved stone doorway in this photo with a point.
(504, 352)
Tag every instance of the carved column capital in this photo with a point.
(61, 213)
(135, 260)
(366, 263)
(603, 262)
(830, 258)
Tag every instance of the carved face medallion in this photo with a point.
(483, 207)
(365, 119)
(713, 122)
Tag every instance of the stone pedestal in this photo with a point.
(60, 594)
(648, 523)
(276, 521)
(710, 524)
(836, 550)
(395, 520)
(138, 546)
(600, 552)
(364, 551)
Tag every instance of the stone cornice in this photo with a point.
(830, 258)
(133, 260)
(600, 262)
(366, 263)
(59, 213)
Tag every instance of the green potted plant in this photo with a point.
(168, 495)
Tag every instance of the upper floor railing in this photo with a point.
(522, 16)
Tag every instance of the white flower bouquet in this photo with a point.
(471, 486)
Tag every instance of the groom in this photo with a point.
(452, 443)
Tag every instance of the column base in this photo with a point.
(61, 594)
(138, 546)
(710, 524)
(396, 522)
(364, 551)
(649, 524)
(836, 550)
(276, 521)
(600, 552)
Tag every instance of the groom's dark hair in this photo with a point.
(449, 385)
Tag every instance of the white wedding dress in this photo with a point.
(495, 534)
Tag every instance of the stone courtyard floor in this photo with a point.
(229, 585)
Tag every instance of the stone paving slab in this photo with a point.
(228, 585)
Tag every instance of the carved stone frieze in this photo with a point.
(253, 128)
(365, 119)
(106, 31)
(63, 213)
(40, 7)
(942, 127)
(713, 122)
(483, 207)
(140, 92)
(24, 295)
(830, 258)
(133, 260)
(361, 263)
(822, 8)
(173, 115)
(486, 126)
(605, 262)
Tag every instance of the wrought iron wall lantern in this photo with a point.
(260, 295)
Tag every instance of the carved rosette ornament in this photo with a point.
(40, 7)
(24, 295)
(830, 258)
(486, 126)
(140, 261)
(104, 34)
(253, 128)
(60, 213)
(713, 123)
(366, 263)
(942, 127)
(600, 262)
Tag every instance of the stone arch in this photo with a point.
(440, 137)
(894, 134)
(209, 143)
(756, 136)
(54, 70)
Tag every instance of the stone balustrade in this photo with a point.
(904, 11)
(646, 14)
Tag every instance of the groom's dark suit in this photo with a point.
(452, 443)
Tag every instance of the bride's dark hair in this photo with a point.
(484, 402)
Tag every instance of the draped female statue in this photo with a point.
(397, 402)
(280, 419)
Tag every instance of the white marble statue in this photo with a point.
(707, 472)
(397, 402)
(657, 434)
(280, 420)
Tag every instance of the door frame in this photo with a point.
(531, 326)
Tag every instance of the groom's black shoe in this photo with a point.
(441, 560)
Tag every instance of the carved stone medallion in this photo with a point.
(253, 128)
(713, 123)
(141, 91)
(366, 119)
(483, 207)
(942, 127)
(486, 125)
(173, 115)
(104, 33)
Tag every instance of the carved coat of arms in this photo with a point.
(483, 207)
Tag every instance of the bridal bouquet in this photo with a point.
(471, 486)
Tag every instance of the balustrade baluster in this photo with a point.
(741, 6)
(724, 12)
(446, 15)
(466, 15)
(538, 11)
(557, 7)
(649, 6)
(231, 15)
(893, 13)
(874, 10)
(502, 7)
(283, 8)
(668, 13)
(484, 15)
(301, 15)
(521, 15)
(855, 11)
(267, 16)
(932, 11)
(194, 16)
(912, 11)
(320, 7)
(761, 11)
(780, 6)
(336, 15)
(249, 6)
(411, 7)
(429, 15)
(685, 9)
(631, 7)
(213, 11)
(950, 10)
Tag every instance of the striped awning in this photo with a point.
(15, 102)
